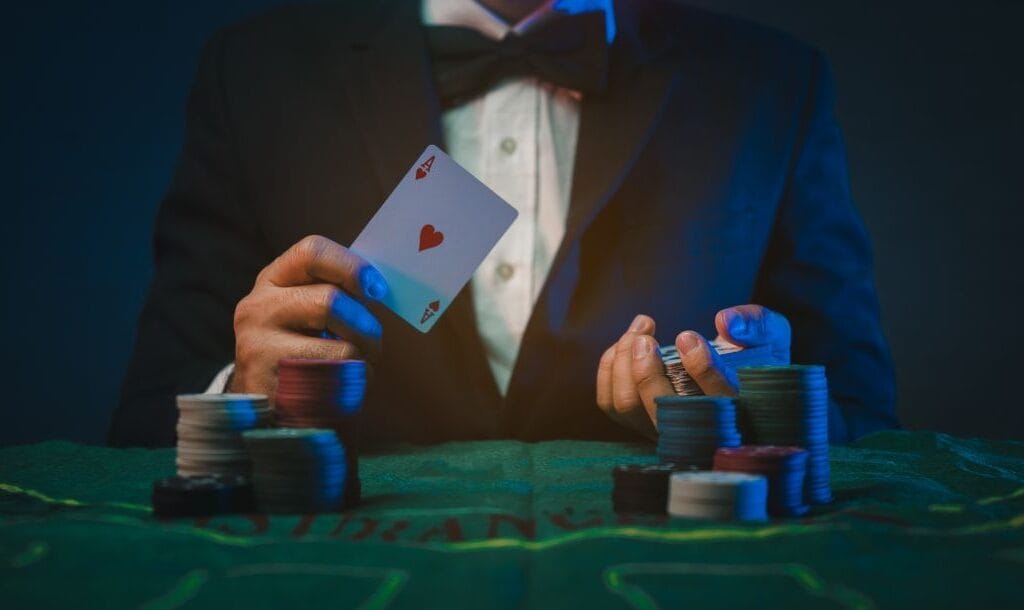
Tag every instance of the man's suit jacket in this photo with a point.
(711, 174)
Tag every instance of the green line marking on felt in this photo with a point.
(182, 592)
(14, 489)
(993, 499)
(38, 495)
(35, 551)
(615, 580)
(638, 533)
(392, 579)
(392, 582)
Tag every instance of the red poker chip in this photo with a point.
(319, 390)
(327, 397)
(311, 390)
(331, 385)
(759, 451)
(320, 382)
(762, 459)
(324, 370)
(314, 362)
(333, 379)
(327, 392)
(319, 406)
(318, 385)
(307, 422)
(283, 409)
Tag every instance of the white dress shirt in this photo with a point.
(520, 140)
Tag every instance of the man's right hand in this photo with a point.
(300, 295)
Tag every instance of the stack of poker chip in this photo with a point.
(691, 428)
(788, 405)
(325, 394)
(641, 488)
(199, 496)
(315, 392)
(209, 431)
(721, 496)
(297, 470)
(732, 355)
(783, 467)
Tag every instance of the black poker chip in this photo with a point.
(642, 488)
(199, 496)
(691, 428)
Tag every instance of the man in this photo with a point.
(684, 165)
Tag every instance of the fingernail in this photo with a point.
(638, 323)
(690, 342)
(373, 283)
(641, 347)
(738, 326)
(370, 326)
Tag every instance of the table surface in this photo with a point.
(920, 520)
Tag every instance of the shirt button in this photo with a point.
(508, 145)
(505, 271)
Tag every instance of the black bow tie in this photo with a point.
(569, 51)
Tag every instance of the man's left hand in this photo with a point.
(631, 374)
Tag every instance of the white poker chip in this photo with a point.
(209, 432)
(710, 485)
(716, 495)
(211, 400)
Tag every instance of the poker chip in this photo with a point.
(783, 468)
(199, 496)
(319, 389)
(324, 394)
(788, 405)
(732, 355)
(641, 488)
(691, 428)
(297, 470)
(209, 431)
(720, 496)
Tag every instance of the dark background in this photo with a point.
(930, 96)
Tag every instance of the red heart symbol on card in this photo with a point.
(430, 237)
(435, 305)
(424, 168)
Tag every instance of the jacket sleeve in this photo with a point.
(207, 252)
(818, 271)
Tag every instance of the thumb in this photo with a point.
(649, 374)
(705, 366)
(752, 325)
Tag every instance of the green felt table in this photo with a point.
(920, 520)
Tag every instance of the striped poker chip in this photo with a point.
(783, 467)
(691, 428)
(788, 405)
(642, 488)
(297, 470)
(209, 429)
(723, 496)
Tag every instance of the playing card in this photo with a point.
(431, 234)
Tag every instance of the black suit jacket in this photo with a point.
(711, 174)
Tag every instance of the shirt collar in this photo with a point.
(472, 14)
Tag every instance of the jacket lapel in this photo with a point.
(390, 86)
(614, 127)
(389, 83)
(613, 131)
